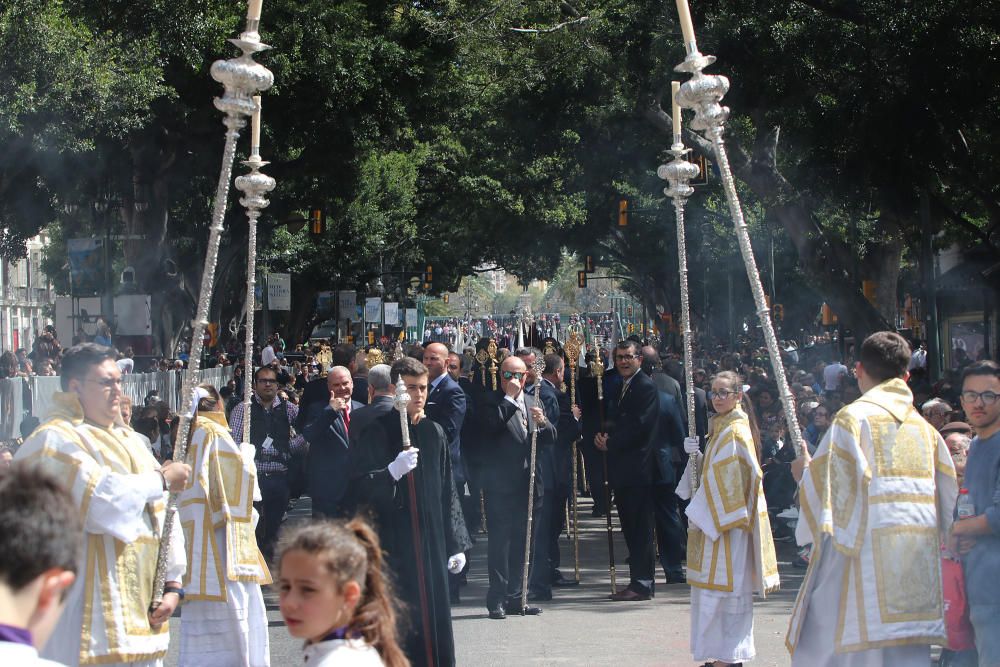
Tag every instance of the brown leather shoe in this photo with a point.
(630, 595)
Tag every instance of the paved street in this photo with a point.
(580, 626)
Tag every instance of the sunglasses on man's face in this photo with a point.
(510, 375)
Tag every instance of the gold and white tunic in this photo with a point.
(875, 502)
(112, 477)
(224, 621)
(730, 552)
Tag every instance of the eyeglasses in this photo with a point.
(509, 375)
(723, 393)
(106, 383)
(626, 357)
(989, 397)
(266, 381)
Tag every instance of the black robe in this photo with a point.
(386, 503)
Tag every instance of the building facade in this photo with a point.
(26, 297)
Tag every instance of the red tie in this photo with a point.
(347, 419)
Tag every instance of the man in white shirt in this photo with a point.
(833, 376)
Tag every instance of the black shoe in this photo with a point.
(525, 611)
(539, 597)
(565, 583)
(497, 613)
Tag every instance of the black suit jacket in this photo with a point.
(366, 414)
(506, 457)
(446, 407)
(314, 398)
(553, 413)
(327, 460)
(632, 427)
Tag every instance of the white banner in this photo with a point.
(392, 313)
(348, 304)
(373, 309)
(411, 317)
(279, 291)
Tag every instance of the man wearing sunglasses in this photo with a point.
(121, 492)
(509, 417)
(630, 439)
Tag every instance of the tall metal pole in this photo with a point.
(679, 174)
(703, 93)
(241, 78)
(597, 370)
(536, 401)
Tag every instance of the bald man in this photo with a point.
(509, 417)
(328, 436)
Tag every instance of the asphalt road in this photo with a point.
(580, 626)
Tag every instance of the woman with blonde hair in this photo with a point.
(730, 553)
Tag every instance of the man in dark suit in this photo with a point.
(316, 395)
(380, 395)
(633, 416)
(328, 437)
(557, 474)
(446, 406)
(670, 459)
(508, 419)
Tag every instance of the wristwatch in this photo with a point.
(174, 589)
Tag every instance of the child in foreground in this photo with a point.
(40, 542)
(335, 596)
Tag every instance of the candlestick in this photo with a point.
(703, 93)
(687, 26)
(240, 77)
(255, 128)
(675, 86)
(254, 7)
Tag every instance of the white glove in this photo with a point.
(683, 488)
(456, 563)
(405, 461)
(691, 445)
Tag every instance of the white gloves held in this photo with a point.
(691, 445)
(456, 563)
(404, 462)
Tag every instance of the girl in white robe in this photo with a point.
(730, 550)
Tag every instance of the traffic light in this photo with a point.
(371, 336)
(623, 213)
(588, 264)
(779, 312)
(445, 298)
(702, 178)
(868, 288)
(631, 328)
(581, 279)
(213, 334)
(317, 222)
(429, 278)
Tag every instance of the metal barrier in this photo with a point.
(21, 397)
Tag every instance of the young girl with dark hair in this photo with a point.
(335, 595)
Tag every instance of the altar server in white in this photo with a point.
(121, 491)
(876, 502)
(224, 623)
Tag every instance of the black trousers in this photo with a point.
(670, 533)
(274, 502)
(507, 518)
(545, 548)
(635, 510)
(594, 461)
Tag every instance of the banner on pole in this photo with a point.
(373, 309)
(411, 317)
(279, 291)
(392, 313)
(348, 304)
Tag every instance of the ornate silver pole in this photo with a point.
(254, 186)
(536, 401)
(241, 77)
(679, 174)
(703, 93)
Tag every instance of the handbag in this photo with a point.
(957, 624)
